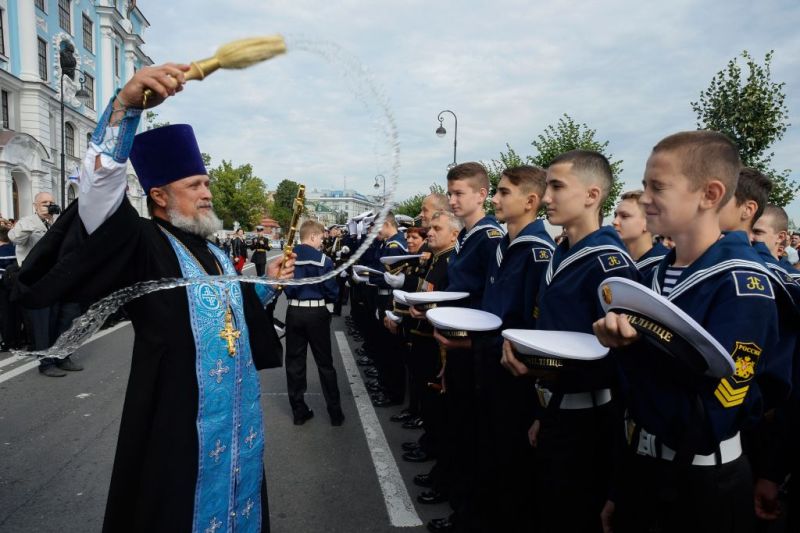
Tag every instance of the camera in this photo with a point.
(53, 209)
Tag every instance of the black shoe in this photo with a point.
(410, 446)
(440, 525)
(384, 401)
(371, 373)
(365, 361)
(423, 480)
(4, 347)
(362, 352)
(337, 418)
(402, 416)
(414, 423)
(417, 456)
(431, 497)
(371, 382)
(69, 365)
(303, 417)
(375, 388)
(52, 371)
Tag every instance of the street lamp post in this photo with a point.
(68, 68)
(377, 185)
(441, 132)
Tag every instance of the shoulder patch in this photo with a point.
(494, 233)
(752, 284)
(612, 261)
(393, 244)
(732, 390)
(541, 255)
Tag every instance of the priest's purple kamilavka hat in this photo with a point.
(163, 155)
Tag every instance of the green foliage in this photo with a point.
(556, 139)
(281, 207)
(750, 109)
(151, 120)
(413, 206)
(238, 194)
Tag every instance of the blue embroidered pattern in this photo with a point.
(229, 419)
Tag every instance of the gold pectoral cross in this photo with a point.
(229, 333)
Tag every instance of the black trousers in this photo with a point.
(261, 268)
(10, 318)
(664, 497)
(309, 326)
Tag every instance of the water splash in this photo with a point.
(370, 95)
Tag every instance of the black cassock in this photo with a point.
(155, 468)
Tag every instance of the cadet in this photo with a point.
(574, 429)
(685, 470)
(260, 247)
(631, 224)
(308, 323)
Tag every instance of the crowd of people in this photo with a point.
(636, 441)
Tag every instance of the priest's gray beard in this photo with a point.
(201, 224)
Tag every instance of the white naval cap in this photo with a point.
(554, 349)
(666, 326)
(463, 318)
(432, 298)
(400, 296)
(360, 269)
(392, 259)
(393, 317)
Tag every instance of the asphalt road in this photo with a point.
(58, 435)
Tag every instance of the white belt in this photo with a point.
(307, 303)
(384, 292)
(575, 400)
(729, 450)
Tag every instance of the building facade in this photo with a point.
(347, 201)
(104, 39)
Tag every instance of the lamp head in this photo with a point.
(440, 131)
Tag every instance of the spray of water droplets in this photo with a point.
(369, 94)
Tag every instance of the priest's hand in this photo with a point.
(614, 331)
(510, 361)
(280, 269)
(163, 81)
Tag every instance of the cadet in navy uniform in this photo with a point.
(260, 247)
(308, 323)
(504, 404)
(685, 468)
(631, 224)
(467, 189)
(388, 356)
(575, 426)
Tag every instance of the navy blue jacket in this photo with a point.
(311, 262)
(649, 260)
(729, 292)
(475, 249)
(394, 245)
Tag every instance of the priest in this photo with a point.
(191, 443)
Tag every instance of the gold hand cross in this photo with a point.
(229, 333)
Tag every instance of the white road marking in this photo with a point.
(395, 495)
(11, 374)
(84, 395)
(13, 359)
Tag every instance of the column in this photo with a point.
(105, 70)
(6, 191)
(29, 55)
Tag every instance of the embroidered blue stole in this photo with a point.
(230, 430)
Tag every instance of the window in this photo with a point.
(116, 60)
(88, 84)
(40, 4)
(88, 42)
(2, 34)
(69, 139)
(5, 110)
(43, 59)
(88, 139)
(64, 15)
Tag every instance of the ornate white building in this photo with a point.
(105, 39)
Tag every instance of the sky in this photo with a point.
(508, 68)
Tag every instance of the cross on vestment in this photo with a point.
(251, 437)
(229, 333)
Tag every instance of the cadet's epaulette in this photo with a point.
(612, 261)
(542, 255)
(494, 233)
(752, 284)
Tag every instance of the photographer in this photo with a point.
(45, 324)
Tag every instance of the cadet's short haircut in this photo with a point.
(474, 173)
(439, 200)
(452, 220)
(529, 178)
(391, 220)
(755, 186)
(780, 220)
(310, 228)
(705, 155)
(591, 167)
(635, 195)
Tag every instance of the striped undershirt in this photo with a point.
(671, 278)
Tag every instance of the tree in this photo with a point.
(238, 194)
(556, 139)
(751, 111)
(413, 206)
(281, 207)
(151, 120)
